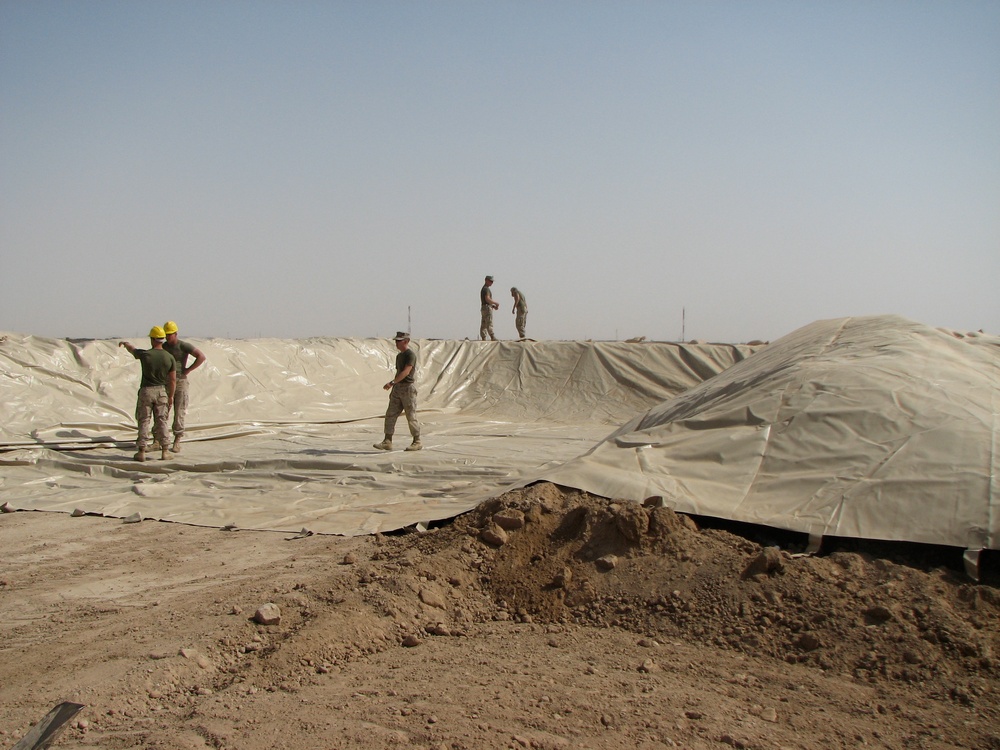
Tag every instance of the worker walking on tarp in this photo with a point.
(520, 311)
(486, 308)
(181, 351)
(156, 391)
(402, 395)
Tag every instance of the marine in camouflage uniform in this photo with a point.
(181, 350)
(486, 308)
(156, 391)
(520, 310)
(402, 395)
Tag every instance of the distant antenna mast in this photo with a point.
(409, 323)
(683, 323)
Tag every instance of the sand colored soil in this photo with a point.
(545, 618)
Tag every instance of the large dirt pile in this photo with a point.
(555, 555)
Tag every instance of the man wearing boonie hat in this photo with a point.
(181, 351)
(402, 394)
(486, 308)
(156, 391)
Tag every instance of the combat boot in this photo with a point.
(177, 446)
(415, 445)
(385, 445)
(140, 456)
(164, 455)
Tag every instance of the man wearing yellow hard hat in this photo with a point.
(181, 351)
(156, 391)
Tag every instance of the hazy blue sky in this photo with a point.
(292, 169)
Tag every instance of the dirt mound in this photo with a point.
(565, 556)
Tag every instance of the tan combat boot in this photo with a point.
(415, 445)
(177, 446)
(385, 445)
(140, 456)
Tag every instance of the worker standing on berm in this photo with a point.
(520, 310)
(402, 395)
(486, 308)
(156, 391)
(181, 351)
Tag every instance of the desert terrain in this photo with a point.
(544, 618)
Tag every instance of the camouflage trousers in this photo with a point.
(402, 398)
(180, 407)
(520, 321)
(151, 406)
(486, 323)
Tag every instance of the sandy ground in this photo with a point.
(543, 619)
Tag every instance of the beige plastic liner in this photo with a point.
(872, 427)
(280, 432)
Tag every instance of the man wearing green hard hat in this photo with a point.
(156, 391)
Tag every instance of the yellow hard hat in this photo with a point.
(169, 327)
(157, 333)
